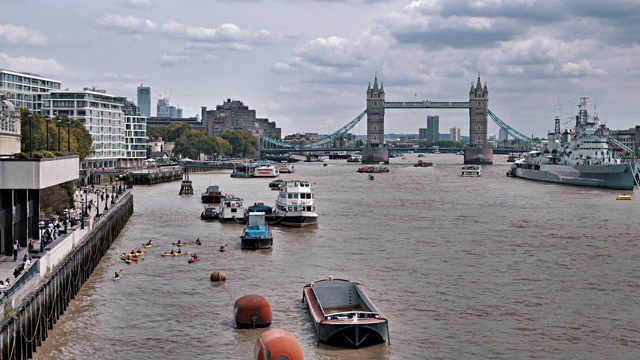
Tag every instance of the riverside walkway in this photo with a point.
(8, 265)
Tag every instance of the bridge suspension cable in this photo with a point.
(324, 140)
(511, 131)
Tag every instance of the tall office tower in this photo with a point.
(503, 135)
(433, 129)
(144, 100)
(454, 134)
(162, 110)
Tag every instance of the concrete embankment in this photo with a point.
(56, 277)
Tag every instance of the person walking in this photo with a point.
(16, 251)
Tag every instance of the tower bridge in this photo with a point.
(376, 150)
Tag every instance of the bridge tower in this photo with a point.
(478, 151)
(375, 150)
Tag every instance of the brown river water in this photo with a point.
(464, 268)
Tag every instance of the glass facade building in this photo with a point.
(144, 100)
(26, 90)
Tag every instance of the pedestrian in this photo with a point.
(16, 250)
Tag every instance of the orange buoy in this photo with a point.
(218, 276)
(252, 311)
(277, 344)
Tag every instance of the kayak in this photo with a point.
(175, 253)
(116, 278)
(177, 244)
(192, 260)
(148, 246)
(198, 242)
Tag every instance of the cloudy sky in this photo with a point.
(307, 64)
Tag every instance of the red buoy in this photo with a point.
(277, 344)
(252, 311)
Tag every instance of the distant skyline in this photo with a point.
(306, 64)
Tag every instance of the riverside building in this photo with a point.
(25, 90)
(103, 117)
(234, 115)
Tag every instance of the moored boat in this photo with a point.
(355, 158)
(581, 156)
(231, 209)
(295, 205)
(209, 213)
(257, 234)
(266, 171)
(285, 167)
(260, 207)
(212, 195)
(276, 184)
(343, 314)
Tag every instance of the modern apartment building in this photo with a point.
(26, 90)
(144, 100)
(135, 135)
(101, 114)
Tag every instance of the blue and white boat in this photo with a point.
(257, 234)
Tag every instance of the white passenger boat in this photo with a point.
(471, 170)
(285, 167)
(266, 171)
(295, 205)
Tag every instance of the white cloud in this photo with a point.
(126, 24)
(172, 59)
(20, 35)
(50, 67)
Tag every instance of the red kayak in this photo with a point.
(192, 260)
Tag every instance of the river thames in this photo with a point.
(464, 268)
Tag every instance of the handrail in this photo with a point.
(23, 278)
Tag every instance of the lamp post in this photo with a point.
(106, 202)
(66, 219)
(59, 124)
(47, 118)
(41, 225)
(68, 134)
(82, 202)
(97, 204)
(30, 116)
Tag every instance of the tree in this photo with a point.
(242, 141)
(81, 139)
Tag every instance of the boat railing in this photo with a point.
(351, 315)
